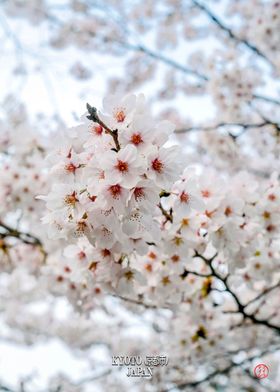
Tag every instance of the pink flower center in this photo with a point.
(228, 211)
(129, 275)
(271, 197)
(120, 116)
(175, 258)
(105, 252)
(138, 193)
(148, 267)
(206, 193)
(81, 255)
(115, 190)
(271, 228)
(71, 168)
(81, 227)
(122, 166)
(136, 139)
(106, 232)
(97, 129)
(165, 280)
(71, 199)
(157, 165)
(92, 198)
(184, 197)
(152, 255)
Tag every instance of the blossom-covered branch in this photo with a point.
(229, 31)
(219, 372)
(241, 309)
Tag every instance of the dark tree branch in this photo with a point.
(266, 291)
(240, 307)
(230, 33)
(137, 302)
(218, 372)
(166, 214)
(27, 238)
(5, 388)
(93, 116)
(165, 60)
(267, 99)
(164, 194)
(225, 125)
(187, 272)
(266, 388)
(93, 377)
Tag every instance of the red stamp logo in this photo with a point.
(261, 371)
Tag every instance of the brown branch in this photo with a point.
(93, 377)
(168, 215)
(93, 116)
(230, 33)
(138, 302)
(187, 272)
(218, 372)
(266, 291)
(266, 388)
(240, 307)
(165, 60)
(266, 99)
(224, 125)
(164, 194)
(26, 238)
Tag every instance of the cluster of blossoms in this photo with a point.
(260, 26)
(234, 220)
(107, 178)
(129, 223)
(232, 89)
(22, 158)
(257, 149)
(124, 217)
(22, 169)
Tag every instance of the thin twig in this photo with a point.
(165, 60)
(266, 291)
(224, 125)
(218, 372)
(26, 238)
(139, 302)
(230, 33)
(93, 116)
(240, 307)
(168, 215)
(267, 99)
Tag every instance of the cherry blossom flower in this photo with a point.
(119, 110)
(122, 167)
(164, 165)
(139, 133)
(188, 197)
